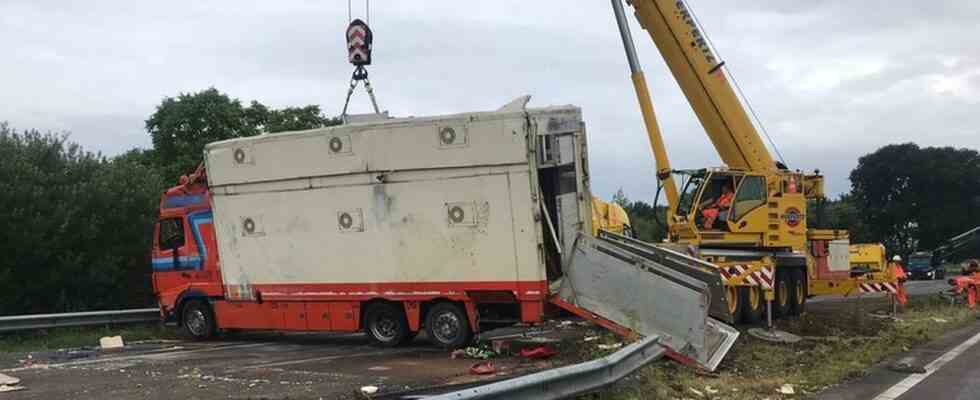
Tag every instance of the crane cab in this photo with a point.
(742, 209)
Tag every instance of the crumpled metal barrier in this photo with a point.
(649, 291)
(569, 381)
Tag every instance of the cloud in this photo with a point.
(830, 80)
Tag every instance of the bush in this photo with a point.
(76, 226)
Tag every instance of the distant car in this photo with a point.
(921, 268)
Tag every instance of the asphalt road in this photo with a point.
(269, 365)
(948, 372)
(913, 288)
(261, 365)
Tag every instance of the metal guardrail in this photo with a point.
(42, 321)
(569, 381)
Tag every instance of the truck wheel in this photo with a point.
(753, 301)
(735, 304)
(197, 320)
(385, 324)
(799, 291)
(448, 326)
(782, 305)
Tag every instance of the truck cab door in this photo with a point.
(748, 213)
(180, 254)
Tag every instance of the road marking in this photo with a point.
(152, 355)
(908, 383)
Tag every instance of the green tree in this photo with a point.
(647, 221)
(77, 225)
(181, 126)
(913, 198)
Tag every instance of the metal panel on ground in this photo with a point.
(645, 295)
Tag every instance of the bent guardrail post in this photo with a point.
(572, 380)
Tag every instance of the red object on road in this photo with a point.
(539, 352)
(483, 368)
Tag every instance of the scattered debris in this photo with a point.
(5, 388)
(695, 391)
(613, 346)
(472, 352)
(369, 390)
(111, 342)
(590, 339)
(939, 320)
(786, 389)
(540, 352)
(907, 365)
(7, 380)
(483, 368)
(710, 390)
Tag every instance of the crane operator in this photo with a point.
(718, 207)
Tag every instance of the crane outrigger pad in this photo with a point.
(648, 291)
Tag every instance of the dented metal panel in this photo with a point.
(646, 297)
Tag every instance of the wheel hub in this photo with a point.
(446, 327)
(196, 322)
(385, 328)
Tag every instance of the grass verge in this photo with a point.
(73, 337)
(839, 344)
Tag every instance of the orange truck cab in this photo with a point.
(185, 252)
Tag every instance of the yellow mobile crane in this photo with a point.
(760, 241)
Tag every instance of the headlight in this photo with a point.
(929, 274)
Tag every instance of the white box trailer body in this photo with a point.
(416, 206)
(486, 215)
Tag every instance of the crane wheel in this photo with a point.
(753, 301)
(783, 304)
(735, 304)
(799, 292)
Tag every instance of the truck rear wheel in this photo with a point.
(783, 304)
(733, 294)
(799, 292)
(447, 325)
(385, 324)
(197, 320)
(753, 304)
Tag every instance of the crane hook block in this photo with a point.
(359, 40)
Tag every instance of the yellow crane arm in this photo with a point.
(699, 73)
(646, 108)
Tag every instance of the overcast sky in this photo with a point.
(831, 80)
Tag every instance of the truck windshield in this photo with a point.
(919, 262)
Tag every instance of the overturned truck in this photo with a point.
(444, 224)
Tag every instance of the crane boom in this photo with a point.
(699, 73)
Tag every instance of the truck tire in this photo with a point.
(799, 292)
(447, 325)
(753, 304)
(783, 303)
(197, 320)
(385, 324)
(733, 294)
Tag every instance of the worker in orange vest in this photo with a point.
(900, 276)
(716, 208)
